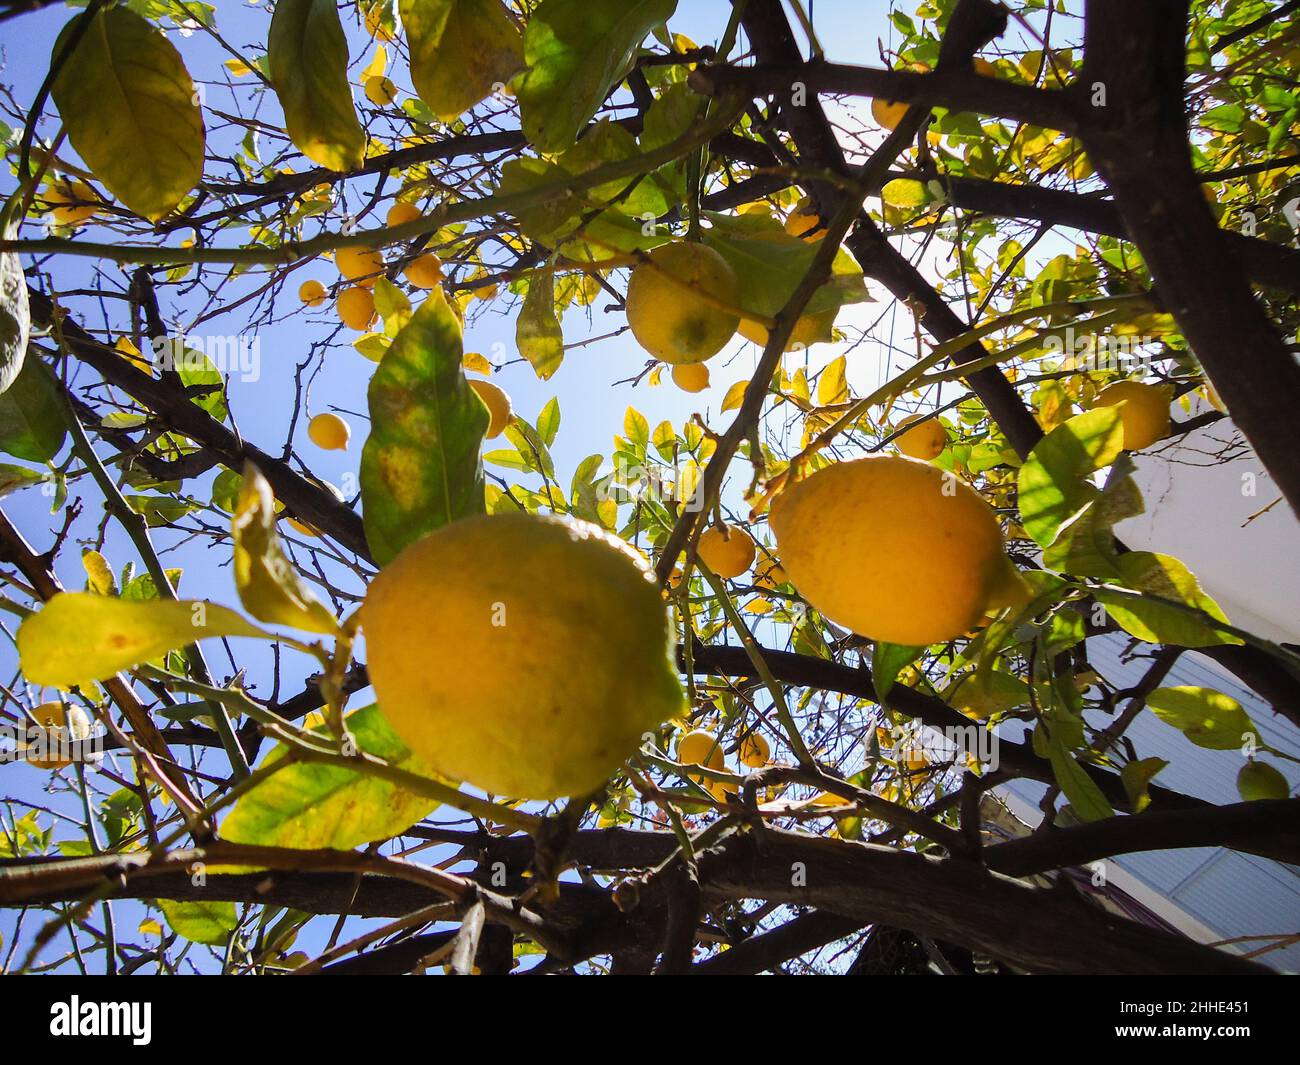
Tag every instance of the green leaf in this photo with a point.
(131, 111)
(1164, 622)
(769, 264)
(308, 58)
(269, 587)
(394, 307)
(1208, 718)
(79, 637)
(575, 51)
(1080, 790)
(537, 330)
(460, 51)
(209, 923)
(309, 805)
(887, 661)
(905, 192)
(420, 467)
(636, 427)
(13, 478)
(1085, 543)
(548, 421)
(32, 424)
(1052, 482)
(15, 315)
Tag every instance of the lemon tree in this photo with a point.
(448, 444)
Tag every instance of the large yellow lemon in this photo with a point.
(526, 655)
(62, 724)
(887, 113)
(312, 293)
(701, 748)
(1144, 411)
(892, 548)
(726, 550)
(402, 212)
(497, 403)
(424, 272)
(666, 316)
(925, 441)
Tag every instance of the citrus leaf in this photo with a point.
(99, 574)
(32, 424)
(130, 110)
(1136, 777)
(1157, 622)
(1052, 482)
(79, 637)
(575, 50)
(537, 330)
(309, 805)
(209, 923)
(1208, 718)
(268, 586)
(1080, 790)
(15, 315)
(832, 386)
(13, 478)
(308, 58)
(460, 50)
(1085, 543)
(420, 467)
(887, 660)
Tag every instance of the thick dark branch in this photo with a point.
(1136, 135)
(957, 88)
(805, 933)
(1271, 826)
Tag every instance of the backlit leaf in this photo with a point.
(420, 467)
(1208, 718)
(209, 923)
(1053, 481)
(308, 58)
(313, 805)
(131, 111)
(78, 637)
(537, 330)
(269, 587)
(575, 50)
(32, 424)
(460, 50)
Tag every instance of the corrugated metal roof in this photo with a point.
(1233, 894)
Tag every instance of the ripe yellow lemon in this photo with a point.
(893, 549)
(424, 272)
(402, 212)
(887, 113)
(925, 442)
(727, 550)
(380, 90)
(754, 751)
(691, 376)
(329, 432)
(1144, 411)
(312, 293)
(356, 308)
(700, 748)
(71, 203)
(666, 316)
(523, 654)
(497, 403)
(62, 724)
(360, 264)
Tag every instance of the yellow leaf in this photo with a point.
(476, 363)
(832, 387)
(308, 57)
(79, 637)
(268, 586)
(460, 51)
(735, 395)
(378, 65)
(99, 573)
(150, 927)
(238, 68)
(130, 110)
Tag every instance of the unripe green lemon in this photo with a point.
(1259, 780)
